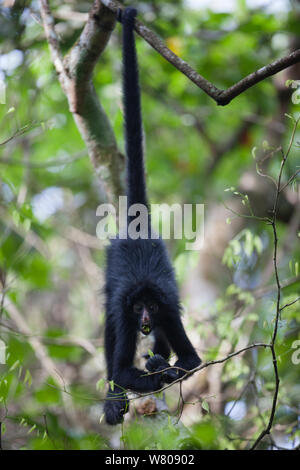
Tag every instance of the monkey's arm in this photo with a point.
(124, 376)
(117, 403)
(188, 359)
(127, 376)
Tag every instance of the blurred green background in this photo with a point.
(51, 263)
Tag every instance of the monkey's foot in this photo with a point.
(114, 408)
(158, 363)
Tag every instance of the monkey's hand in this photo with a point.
(115, 406)
(157, 363)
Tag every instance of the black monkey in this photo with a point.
(141, 291)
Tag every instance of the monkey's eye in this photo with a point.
(153, 308)
(138, 307)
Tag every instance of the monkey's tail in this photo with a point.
(136, 183)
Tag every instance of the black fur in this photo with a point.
(136, 185)
(139, 270)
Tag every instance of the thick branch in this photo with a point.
(52, 37)
(82, 58)
(75, 73)
(221, 97)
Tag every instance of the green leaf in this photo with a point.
(205, 405)
(112, 384)
(16, 217)
(27, 225)
(32, 429)
(14, 366)
(28, 378)
(100, 384)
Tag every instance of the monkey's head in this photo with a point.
(145, 310)
(146, 306)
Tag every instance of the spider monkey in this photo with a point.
(141, 291)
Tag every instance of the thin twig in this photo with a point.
(247, 216)
(18, 132)
(187, 373)
(222, 97)
(43, 165)
(289, 180)
(289, 304)
(267, 429)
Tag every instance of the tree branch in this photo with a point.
(204, 365)
(43, 165)
(221, 97)
(75, 73)
(268, 428)
(52, 37)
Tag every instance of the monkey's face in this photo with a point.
(146, 312)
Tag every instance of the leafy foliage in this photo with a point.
(51, 264)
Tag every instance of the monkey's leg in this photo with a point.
(116, 404)
(109, 345)
(125, 376)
